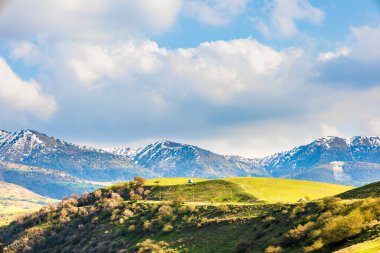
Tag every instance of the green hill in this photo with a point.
(16, 201)
(128, 217)
(367, 191)
(245, 189)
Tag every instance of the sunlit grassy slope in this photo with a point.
(173, 181)
(263, 189)
(372, 246)
(16, 201)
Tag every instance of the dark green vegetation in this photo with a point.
(123, 219)
(46, 182)
(370, 190)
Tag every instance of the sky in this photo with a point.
(238, 77)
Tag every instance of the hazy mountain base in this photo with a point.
(114, 220)
(46, 182)
(353, 161)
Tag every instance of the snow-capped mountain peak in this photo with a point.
(129, 153)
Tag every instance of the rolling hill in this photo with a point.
(269, 190)
(121, 218)
(15, 201)
(367, 191)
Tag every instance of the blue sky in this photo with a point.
(246, 77)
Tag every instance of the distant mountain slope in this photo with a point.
(323, 151)
(46, 182)
(172, 159)
(36, 149)
(367, 191)
(16, 200)
(353, 161)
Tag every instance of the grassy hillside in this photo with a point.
(367, 191)
(121, 219)
(371, 246)
(211, 191)
(269, 190)
(15, 201)
(285, 190)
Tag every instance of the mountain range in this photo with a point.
(350, 161)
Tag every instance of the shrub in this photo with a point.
(147, 225)
(149, 246)
(318, 244)
(343, 227)
(131, 228)
(223, 208)
(273, 249)
(300, 231)
(140, 181)
(127, 214)
(167, 228)
(166, 212)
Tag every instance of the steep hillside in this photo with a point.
(367, 191)
(46, 182)
(118, 219)
(36, 149)
(15, 201)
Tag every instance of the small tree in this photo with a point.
(140, 181)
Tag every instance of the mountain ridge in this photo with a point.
(350, 161)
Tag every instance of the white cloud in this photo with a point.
(284, 15)
(216, 71)
(356, 64)
(24, 96)
(366, 46)
(330, 130)
(215, 12)
(328, 56)
(96, 20)
(93, 63)
(375, 126)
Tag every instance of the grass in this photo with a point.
(219, 191)
(285, 190)
(173, 181)
(16, 201)
(270, 190)
(372, 246)
(111, 219)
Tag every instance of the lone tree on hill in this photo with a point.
(140, 181)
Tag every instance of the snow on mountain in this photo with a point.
(176, 159)
(36, 149)
(333, 153)
(126, 152)
(328, 159)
